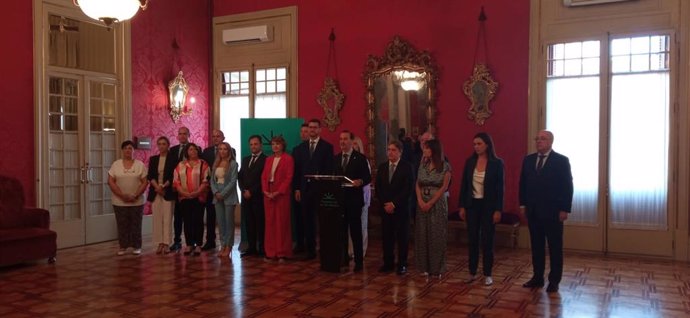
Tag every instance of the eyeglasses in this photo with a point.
(541, 139)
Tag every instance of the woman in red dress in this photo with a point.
(276, 182)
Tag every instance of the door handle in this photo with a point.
(82, 174)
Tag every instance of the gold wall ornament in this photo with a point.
(389, 105)
(178, 97)
(480, 89)
(331, 100)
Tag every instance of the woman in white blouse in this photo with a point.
(224, 189)
(127, 181)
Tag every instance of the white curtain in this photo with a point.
(232, 109)
(639, 150)
(572, 114)
(270, 105)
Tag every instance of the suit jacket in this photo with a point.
(399, 189)
(175, 150)
(321, 162)
(250, 177)
(548, 192)
(168, 171)
(209, 155)
(228, 190)
(357, 168)
(283, 175)
(493, 184)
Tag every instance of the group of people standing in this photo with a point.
(184, 181)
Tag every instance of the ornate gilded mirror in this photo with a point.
(400, 90)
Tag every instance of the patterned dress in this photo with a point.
(431, 228)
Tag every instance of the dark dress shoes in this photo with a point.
(358, 268)
(175, 247)
(402, 270)
(209, 246)
(386, 269)
(533, 283)
(552, 288)
(247, 253)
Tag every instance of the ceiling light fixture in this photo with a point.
(110, 11)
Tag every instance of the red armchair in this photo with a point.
(25, 233)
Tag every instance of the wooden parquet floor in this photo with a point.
(91, 281)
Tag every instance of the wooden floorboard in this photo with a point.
(91, 281)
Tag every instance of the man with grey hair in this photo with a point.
(546, 196)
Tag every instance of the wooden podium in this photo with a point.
(330, 211)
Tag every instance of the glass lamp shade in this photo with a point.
(411, 85)
(110, 11)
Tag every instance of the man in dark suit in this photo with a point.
(249, 179)
(546, 195)
(311, 157)
(394, 183)
(177, 154)
(296, 206)
(353, 165)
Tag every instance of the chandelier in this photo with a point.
(410, 80)
(110, 11)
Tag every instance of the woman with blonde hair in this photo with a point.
(224, 190)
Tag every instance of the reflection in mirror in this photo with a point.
(400, 95)
(81, 45)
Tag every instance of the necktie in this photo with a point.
(180, 151)
(391, 171)
(251, 162)
(312, 147)
(540, 162)
(345, 157)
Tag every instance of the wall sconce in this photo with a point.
(178, 96)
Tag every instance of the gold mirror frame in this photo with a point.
(331, 112)
(178, 85)
(399, 56)
(480, 89)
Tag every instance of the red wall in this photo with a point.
(17, 96)
(155, 62)
(446, 28)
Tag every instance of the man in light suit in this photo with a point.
(394, 184)
(177, 153)
(249, 180)
(546, 195)
(353, 165)
(314, 156)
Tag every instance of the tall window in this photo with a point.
(572, 114)
(261, 93)
(636, 134)
(638, 168)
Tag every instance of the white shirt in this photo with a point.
(546, 157)
(478, 184)
(276, 160)
(128, 180)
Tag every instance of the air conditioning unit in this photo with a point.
(577, 3)
(252, 34)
